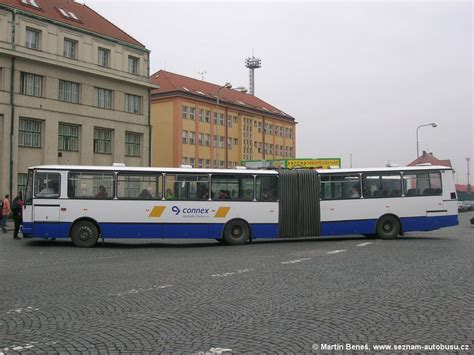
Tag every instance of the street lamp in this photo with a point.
(468, 188)
(417, 128)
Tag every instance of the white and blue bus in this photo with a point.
(85, 203)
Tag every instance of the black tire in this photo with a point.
(236, 232)
(388, 227)
(84, 234)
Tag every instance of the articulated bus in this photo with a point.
(85, 203)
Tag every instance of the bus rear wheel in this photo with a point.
(84, 234)
(236, 232)
(388, 227)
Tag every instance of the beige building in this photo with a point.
(189, 126)
(74, 89)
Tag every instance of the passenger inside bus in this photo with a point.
(145, 194)
(102, 192)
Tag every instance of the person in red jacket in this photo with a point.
(5, 212)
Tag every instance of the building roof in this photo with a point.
(72, 14)
(429, 158)
(171, 82)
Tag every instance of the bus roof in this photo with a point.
(152, 169)
(234, 171)
(384, 169)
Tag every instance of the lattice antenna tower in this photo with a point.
(252, 63)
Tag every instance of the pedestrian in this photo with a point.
(17, 209)
(5, 212)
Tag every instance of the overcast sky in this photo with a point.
(358, 76)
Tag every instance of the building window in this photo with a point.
(133, 65)
(31, 84)
(221, 142)
(29, 133)
(102, 141)
(208, 163)
(200, 138)
(222, 119)
(68, 137)
(229, 143)
(184, 136)
(207, 118)
(188, 113)
(21, 183)
(192, 162)
(103, 98)
(207, 140)
(185, 161)
(200, 162)
(68, 91)
(133, 103)
(201, 115)
(132, 144)
(229, 121)
(215, 117)
(32, 38)
(103, 57)
(214, 144)
(70, 48)
(191, 137)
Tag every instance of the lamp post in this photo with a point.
(227, 85)
(468, 188)
(417, 128)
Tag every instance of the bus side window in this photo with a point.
(47, 185)
(267, 188)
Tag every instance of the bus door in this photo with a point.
(46, 204)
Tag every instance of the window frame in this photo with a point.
(73, 48)
(159, 185)
(103, 59)
(36, 85)
(135, 145)
(22, 132)
(101, 95)
(67, 138)
(69, 91)
(98, 139)
(92, 172)
(37, 37)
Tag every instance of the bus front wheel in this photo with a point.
(84, 234)
(236, 232)
(388, 227)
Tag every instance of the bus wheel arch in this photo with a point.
(84, 232)
(236, 232)
(388, 226)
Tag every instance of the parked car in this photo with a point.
(464, 206)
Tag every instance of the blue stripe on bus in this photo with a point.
(411, 224)
(148, 230)
(214, 230)
(367, 226)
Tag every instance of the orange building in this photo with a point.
(209, 126)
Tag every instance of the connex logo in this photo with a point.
(176, 210)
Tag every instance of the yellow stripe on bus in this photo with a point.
(157, 211)
(222, 212)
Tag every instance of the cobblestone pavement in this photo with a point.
(182, 296)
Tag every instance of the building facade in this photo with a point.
(74, 89)
(210, 126)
